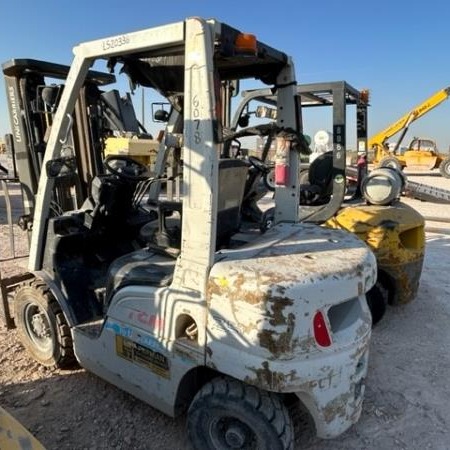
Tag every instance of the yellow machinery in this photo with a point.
(14, 436)
(396, 235)
(422, 153)
(418, 156)
(140, 149)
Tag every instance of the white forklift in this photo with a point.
(189, 313)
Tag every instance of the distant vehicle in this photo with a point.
(421, 153)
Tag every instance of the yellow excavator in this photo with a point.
(416, 156)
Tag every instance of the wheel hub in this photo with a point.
(40, 326)
(235, 436)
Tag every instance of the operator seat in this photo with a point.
(109, 203)
(319, 187)
(167, 234)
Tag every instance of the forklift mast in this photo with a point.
(32, 102)
(194, 42)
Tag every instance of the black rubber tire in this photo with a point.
(226, 413)
(390, 161)
(444, 168)
(303, 176)
(269, 179)
(36, 308)
(377, 302)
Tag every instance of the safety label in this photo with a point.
(144, 356)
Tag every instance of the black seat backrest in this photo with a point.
(232, 178)
(110, 201)
(319, 188)
(231, 184)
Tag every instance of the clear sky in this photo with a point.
(397, 49)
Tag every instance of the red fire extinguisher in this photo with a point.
(282, 161)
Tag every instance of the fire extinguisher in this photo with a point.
(282, 161)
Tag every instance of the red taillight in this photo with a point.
(321, 333)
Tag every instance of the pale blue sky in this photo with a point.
(397, 49)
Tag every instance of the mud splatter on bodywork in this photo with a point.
(262, 300)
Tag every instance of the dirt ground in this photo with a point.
(407, 400)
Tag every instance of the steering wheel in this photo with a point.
(126, 168)
(257, 163)
(263, 129)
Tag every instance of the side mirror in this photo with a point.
(161, 116)
(266, 112)
(160, 112)
(61, 168)
(47, 98)
(244, 121)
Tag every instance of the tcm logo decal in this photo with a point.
(150, 320)
(14, 114)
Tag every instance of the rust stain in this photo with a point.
(279, 343)
(246, 329)
(213, 288)
(272, 277)
(337, 408)
(280, 289)
(252, 297)
(306, 344)
(239, 281)
(268, 379)
(278, 304)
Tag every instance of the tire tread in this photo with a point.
(65, 357)
(267, 404)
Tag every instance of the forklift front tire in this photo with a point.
(392, 162)
(226, 413)
(42, 327)
(444, 168)
(269, 179)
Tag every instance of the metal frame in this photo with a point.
(338, 95)
(156, 41)
(17, 74)
(233, 296)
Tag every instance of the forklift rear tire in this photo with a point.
(42, 327)
(444, 168)
(377, 302)
(226, 413)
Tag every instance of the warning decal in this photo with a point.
(144, 356)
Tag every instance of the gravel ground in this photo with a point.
(407, 401)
